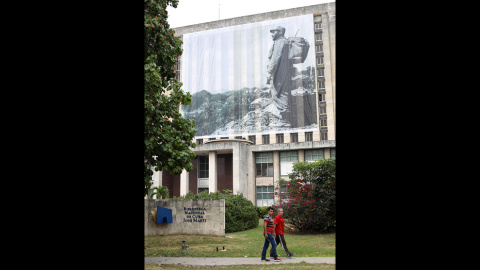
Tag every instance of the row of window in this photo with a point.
(177, 66)
(177, 69)
(264, 168)
(287, 158)
(321, 79)
(280, 137)
(264, 161)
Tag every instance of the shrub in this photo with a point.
(160, 191)
(240, 213)
(261, 211)
(308, 199)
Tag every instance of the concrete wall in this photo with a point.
(208, 221)
(327, 8)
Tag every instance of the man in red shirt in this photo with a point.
(279, 224)
(268, 233)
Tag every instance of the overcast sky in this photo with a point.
(190, 12)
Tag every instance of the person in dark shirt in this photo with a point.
(268, 233)
(278, 227)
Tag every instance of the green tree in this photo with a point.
(160, 191)
(167, 135)
(308, 199)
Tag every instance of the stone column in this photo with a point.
(301, 155)
(212, 171)
(251, 170)
(184, 183)
(326, 152)
(239, 168)
(276, 173)
(157, 180)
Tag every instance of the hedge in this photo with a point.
(262, 211)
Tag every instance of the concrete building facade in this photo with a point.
(253, 163)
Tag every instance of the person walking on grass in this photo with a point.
(269, 235)
(278, 227)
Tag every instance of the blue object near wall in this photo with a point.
(164, 215)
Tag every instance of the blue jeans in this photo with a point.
(269, 240)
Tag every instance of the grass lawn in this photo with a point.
(245, 243)
(301, 266)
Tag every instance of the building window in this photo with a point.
(266, 139)
(323, 136)
(202, 181)
(312, 155)
(323, 109)
(323, 122)
(319, 48)
(200, 141)
(321, 72)
(251, 138)
(202, 166)
(279, 138)
(177, 70)
(287, 158)
(320, 60)
(294, 137)
(264, 164)
(318, 37)
(238, 137)
(202, 189)
(321, 84)
(265, 196)
(321, 97)
(318, 25)
(308, 136)
(332, 153)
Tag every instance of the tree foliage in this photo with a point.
(160, 191)
(167, 135)
(308, 199)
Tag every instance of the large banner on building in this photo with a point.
(252, 78)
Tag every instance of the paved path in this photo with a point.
(225, 261)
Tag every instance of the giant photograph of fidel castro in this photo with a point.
(252, 78)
